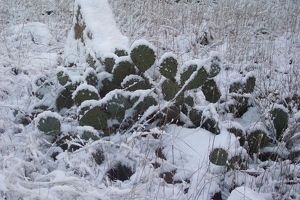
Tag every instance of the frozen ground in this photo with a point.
(33, 37)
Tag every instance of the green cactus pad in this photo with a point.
(83, 94)
(135, 82)
(197, 81)
(238, 133)
(49, 123)
(90, 77)
(240, 107)
(237, 163)
(117, 106)
(144, 104)
(121, 52)
(211, 91)
(122, 69)
(257, 140)
(63, 78)
(280, 120)
(168, 67)
(169, 89)
(195, 117)
(211, 125)
(107, 86)
(94, 117)
(109, 62)
(218, 157)
(143, 56)
(64, 99)
(91, 61)
(250, 84)
(87, 133)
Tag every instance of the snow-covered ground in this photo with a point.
(249, 35)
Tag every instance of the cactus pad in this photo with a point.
(135, 82)
(143, 57)
(197, 80)
(94, 117)
(169, 89)
(218, 156)
(211, 91)
(122, 69)
(280, 121)
(256, 140)
(85, 93)
(64, 99)
(49, 123)
(63, 78)
(168, 67)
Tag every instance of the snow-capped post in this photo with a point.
(94, 32)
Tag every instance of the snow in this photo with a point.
(100, 36)
(245, 193)
(34, 44)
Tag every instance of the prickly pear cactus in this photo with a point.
(121, 52)
(169, 89)
(135, 82)
(117, 106)
(85, 92)
(143, 105)
(142, 55)
(280, 120)
(211, 91)
(94, 117)
(250, 84)
(90, 77)
(211, 125)
(195, 117)
(122, 68)
(218, 156)
(256, 140)
(107, 86)
(238, 133)
(168, 66)
(195, 80)
(87, 133)
(64, 99)
(109, 61)
(49, 123)
(63, 78)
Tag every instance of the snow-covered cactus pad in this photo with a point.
(64, 99)
(117, 105)
(168, 66)
(85, 92)
(63, 77)
(218, 156)
(195, 78)
(142, 55)
(257, 139)
(122, 68)
(49, 123)
(135, 82)
(87, 133)
(211, 91)
(120, 51)
(280, 120)
(109, 60)
(169, 89)
(90, 77)
(93, 116)
(195, 116)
